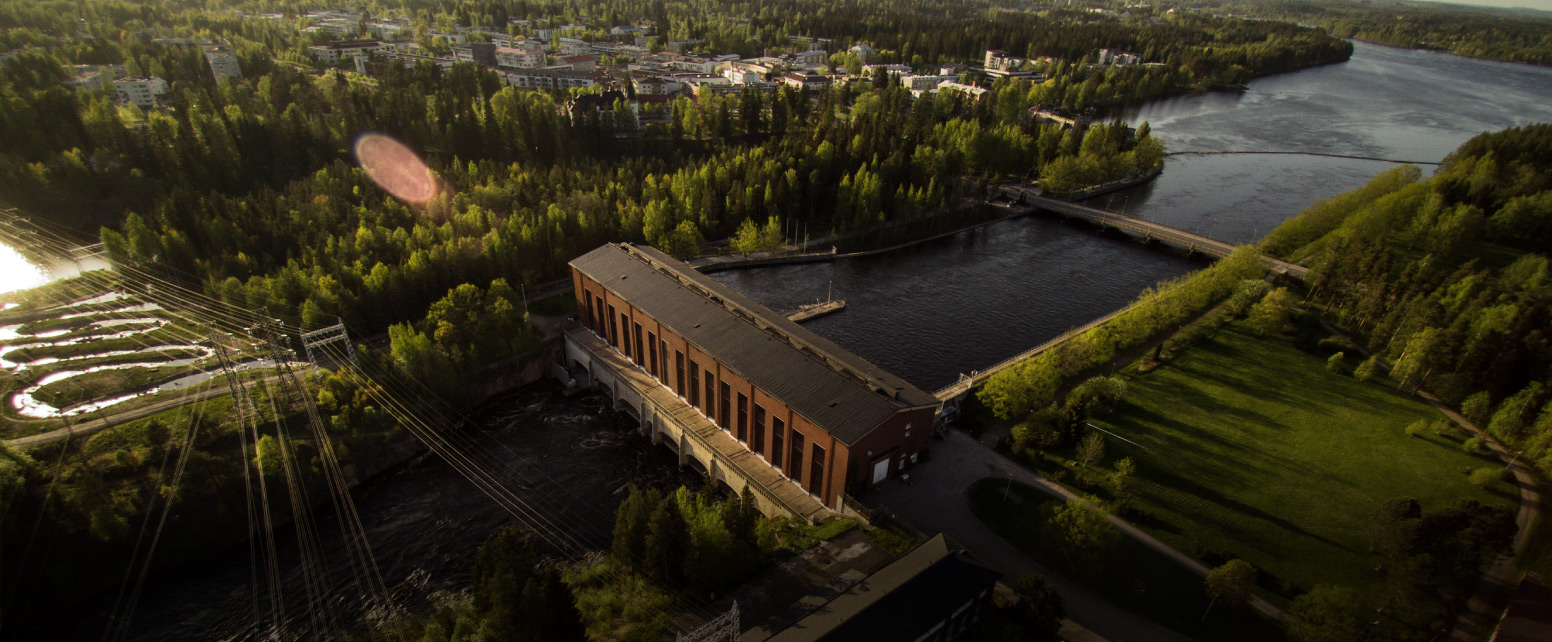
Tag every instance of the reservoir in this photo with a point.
(931, 311)
(966, 302)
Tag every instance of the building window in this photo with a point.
(679, 371)
(592, 317)
(662, 375)
(651, 354)
(625, 345)
(640, 347)
(908, 430)
(778, 435)
(816, 471)
(726, 391)
(743, 419)
(711, 393)
(795, 465)
(695, 385)
(614, 331)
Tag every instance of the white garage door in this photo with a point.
(880, 470)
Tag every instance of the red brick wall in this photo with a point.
(888, 435)
(841, 462)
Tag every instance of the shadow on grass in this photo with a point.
(1127, 572)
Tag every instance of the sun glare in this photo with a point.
(395, 168)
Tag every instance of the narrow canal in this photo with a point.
(969, 301)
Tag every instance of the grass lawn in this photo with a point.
(1248, 447)
(1128, 573)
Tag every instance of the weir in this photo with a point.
(1148, 230)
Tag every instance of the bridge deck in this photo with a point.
(1150, 230)
(765, 479)
(1147, 229)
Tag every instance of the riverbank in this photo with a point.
(720, 262)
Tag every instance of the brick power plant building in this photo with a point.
(752, 396)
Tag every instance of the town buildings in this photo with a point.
(141, 91)
(336, 51)
(223, 63)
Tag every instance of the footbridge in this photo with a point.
(1149, 231)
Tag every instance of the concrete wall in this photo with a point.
(665, 430)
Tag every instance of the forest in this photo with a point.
(1447, 277)
(1480, 32)
(245, 190)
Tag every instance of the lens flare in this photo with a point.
(395, 168)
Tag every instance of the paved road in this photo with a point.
(937, 502)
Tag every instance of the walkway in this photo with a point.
(704, 436)
(937, 502)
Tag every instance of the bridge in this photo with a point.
(1149, 231)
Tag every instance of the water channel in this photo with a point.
(926, 313)
(969, 301)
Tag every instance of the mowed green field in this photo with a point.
(1259, 453)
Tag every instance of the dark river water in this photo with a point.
(566, 456)
(927, 313)
(969, 301)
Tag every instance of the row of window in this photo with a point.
(607, 322)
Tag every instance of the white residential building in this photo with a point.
(452, 39)
(893, 70)
(973, 91)
(920, 84)
(520, 57)
(141, 91)
(800, 80)
(864, 53)
(336, 51)
(812, 57)
(548, 79)
(740, 76)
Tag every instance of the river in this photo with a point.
(424, 521)
(934, 310)
(971, 300)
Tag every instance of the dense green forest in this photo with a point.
(246, 189)
(1447, 277)
(1479, 32)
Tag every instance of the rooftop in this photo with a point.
(836, 390)
(900, 601)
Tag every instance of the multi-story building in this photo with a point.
(141, 91)
(785, 409)
(893, 70)
(520, 57)
(223, 63)
(549, 79)
(336, 51)
(864, 53)
(805, 80)
(580, 63)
